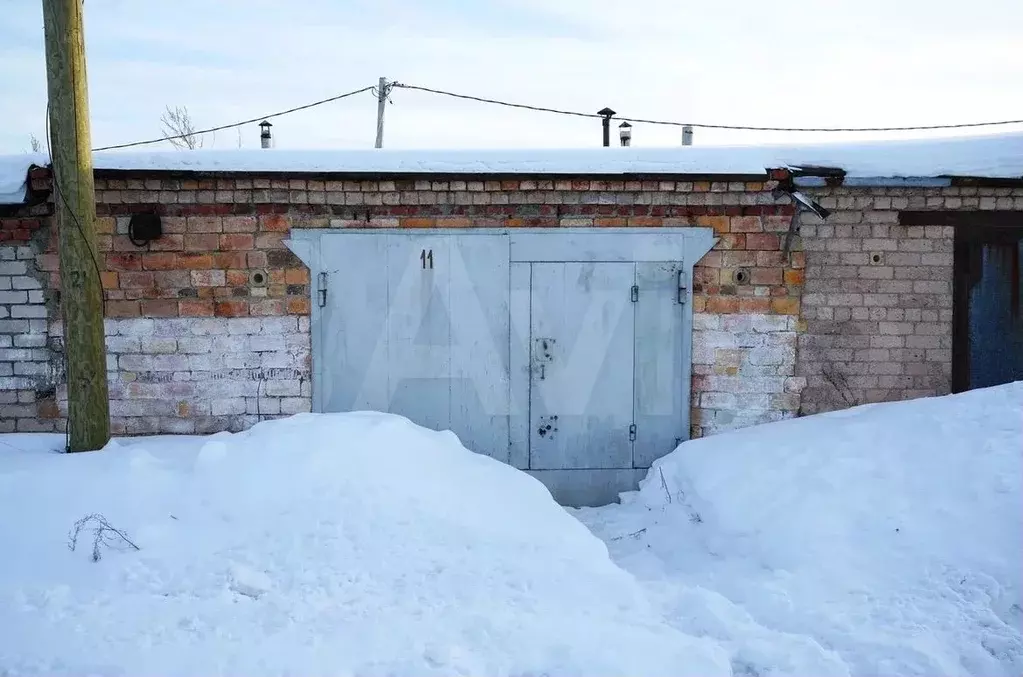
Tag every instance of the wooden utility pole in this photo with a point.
(74, 204)
(381, 101)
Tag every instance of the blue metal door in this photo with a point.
(581, 365)
(417, 325)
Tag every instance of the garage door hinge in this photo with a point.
(321, 289)
(635, 293)
(682, 289)
(632, 432)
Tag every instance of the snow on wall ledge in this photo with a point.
(992, 156)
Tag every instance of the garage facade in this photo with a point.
(528, 300)
(565, 353)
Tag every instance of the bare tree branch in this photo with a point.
(37, 146)
(103, 534)
(179, 129)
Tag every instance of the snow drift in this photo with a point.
(885, 539)
(353, 544)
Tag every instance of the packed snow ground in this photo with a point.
(881, 540)
(884, 540)
(353, 544)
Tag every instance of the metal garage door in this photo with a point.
(417, 325)
(564, 353)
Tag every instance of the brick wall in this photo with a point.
(878, 296)
(204, 375)
(208, 326)
(28, 366)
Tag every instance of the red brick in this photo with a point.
(712, 259)
(270, 241)
(417, 222)
(174, 225)
(122, 308)
(703, 275)
(723, 304)
(794, 276)
(296, 276)
(195, 308)
(771, 258)
(762, 276)
(699, 304)
(240, 224)
(267, 307)
(255, 259)
(298, 306)
(785, 306)
(136, 280)
(204, 224)
(701, 187)
(798, 259)
(774, 223)
(236, 241)
(172, 279)
(237, 278)
(646, 221)
(718, 223)
(731, 241)
(757, 304)
(454, 222)
(276, 223)
(231, 308)
(609, 221)
(120, 261)
(157, 261)
(229, 260)
(109, 279)
(733, 259)
(747, 224)
(208, 278)
(121, 243)
(202, 242)
(762, 241)
(159, 308)
(192, 261)
(168, 243)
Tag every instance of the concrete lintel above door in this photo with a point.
(611, 244)
(687, 244)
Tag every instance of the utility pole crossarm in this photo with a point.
(75, 210)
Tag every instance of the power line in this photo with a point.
(238, 124)
(545, 109)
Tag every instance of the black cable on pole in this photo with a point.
(237, 124)
(703, 125)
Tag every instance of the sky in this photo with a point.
(800, 63)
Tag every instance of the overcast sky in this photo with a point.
(797, 63)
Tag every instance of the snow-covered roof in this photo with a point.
(994, 156)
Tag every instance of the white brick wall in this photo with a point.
(26, 368)
(743, 370)
(202, 375)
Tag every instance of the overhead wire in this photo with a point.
(374, 90)
(704, 125)
(237, 124)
